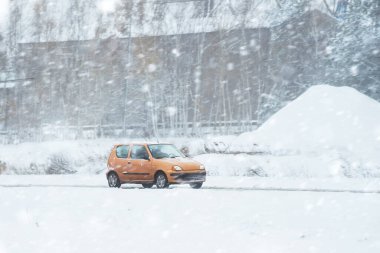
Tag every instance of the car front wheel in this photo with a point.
(113, 180)
(196, 185)
(161, 181)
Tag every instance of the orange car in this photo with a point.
(153, 164)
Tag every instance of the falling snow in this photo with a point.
(278, 100)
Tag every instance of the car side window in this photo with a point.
(122, 151)
(139, 152)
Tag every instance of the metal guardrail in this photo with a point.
(140, 130)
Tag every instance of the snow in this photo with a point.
(171, 111)
(176, 52)
(324, 117)
(354, 70)
(326, 123)
(355, 185)
(107, 6)
(4, 12)
(152, 68)
(328, 132)
(81, 156)
(308, 182)
(97, 219)
(7, 85)
(330, 165)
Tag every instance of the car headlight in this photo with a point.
(177, 168)
(202, 167)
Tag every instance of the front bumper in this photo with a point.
(187, 177)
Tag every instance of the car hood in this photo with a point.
(186, 164)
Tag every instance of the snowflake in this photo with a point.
(171, 111)
(354, 70)
(107, 6)
(152, 68)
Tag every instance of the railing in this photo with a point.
(55, 132)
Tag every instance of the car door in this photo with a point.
(123, 164)
(140, 164)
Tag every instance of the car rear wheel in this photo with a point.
(196, 185)
(113, 180)
(147, 185)
(161, 181)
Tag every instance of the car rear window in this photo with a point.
(122, 151)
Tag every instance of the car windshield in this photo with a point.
(160, 151)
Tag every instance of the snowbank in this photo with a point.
(338, 122)
(67, 157)
(63, 157)
(307, 166)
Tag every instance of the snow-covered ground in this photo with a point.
(308, 180)
(98, 219)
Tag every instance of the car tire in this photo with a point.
(113, 180)
(147, 185)
(161, 180)
(196, 185)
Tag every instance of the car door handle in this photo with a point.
(129, 162)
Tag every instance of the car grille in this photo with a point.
(184, 177)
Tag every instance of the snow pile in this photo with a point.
(337, 122)
(324, 117)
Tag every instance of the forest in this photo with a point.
(89, 69)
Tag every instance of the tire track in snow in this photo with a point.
(221, 188)
(291, 189)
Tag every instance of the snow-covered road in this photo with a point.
(224, 188)
(353, 185)
(79, 214)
